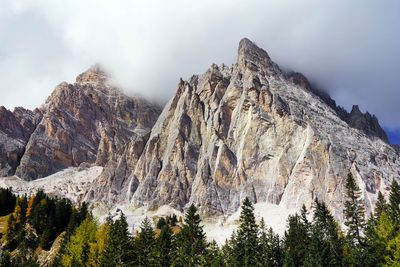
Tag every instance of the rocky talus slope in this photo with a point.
(250, 130)
(88, 121)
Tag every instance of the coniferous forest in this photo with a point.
(313, 237)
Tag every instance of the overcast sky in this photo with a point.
(350, 48)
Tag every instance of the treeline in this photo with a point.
(34, 223)
(310, 240)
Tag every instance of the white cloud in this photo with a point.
(349, 47)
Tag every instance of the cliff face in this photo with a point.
(88, 121)
(246, 130)
(15, 130)
(249, 130)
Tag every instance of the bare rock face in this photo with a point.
(249, 130)
(88, 121)
(15, 130)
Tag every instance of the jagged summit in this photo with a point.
(249, 130)
(95, 74)
(254, 58)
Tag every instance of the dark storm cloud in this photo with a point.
(350, 48)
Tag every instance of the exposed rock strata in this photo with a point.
(15, 130)
(245, 130)
(250, 130)
(88, 121)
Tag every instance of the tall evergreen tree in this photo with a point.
(246, 249)
(145, 242)
(270, 247)
(394, 202)
(162, 252)
(191, 244)
(118, 250)
(326, 247)
(374, 248)
(380, 206)
(354, 220)
(214, 257)
(298, 229)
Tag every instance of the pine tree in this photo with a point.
(214, 256)
(161, 222)
(374, 249)
(191, 243)
(270, 249)
(7, 201)
(162, 252)
(78, 248)
(326, 247)
(145, 243)
(394, 203)
(227, 251)
(246, 249)
(354, 220)
(380, 206)
(299, 229)
(118, 250)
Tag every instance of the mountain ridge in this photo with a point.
(246, 130)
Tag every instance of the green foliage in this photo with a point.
(78, 248)
(299, 229)
(394, 203)
(145, 242)
(270, 247)
(161, 222)
(7, 201)
(118, 250)
(326, 246)
(354, 220)
(161, 255)
(191, 245)
(246, 247)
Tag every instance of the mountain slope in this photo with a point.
(88, 121)
(251, 130)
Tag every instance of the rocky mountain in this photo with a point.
(15, 130)
(88, 121)
(246, 130)
(250, 130)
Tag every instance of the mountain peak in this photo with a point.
(252, 57)
(95, 74)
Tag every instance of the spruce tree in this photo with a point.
(270, 248)
(118, 250)
(191, 244)
(374, 249)
(380, 206)
(228, 252)
(162, 252)
(354, 220)
(246, 249)
(144, 244)
(394, 202)
(326, 247)
(214, 257)
(296, 251)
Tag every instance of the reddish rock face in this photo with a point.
(88, 121)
